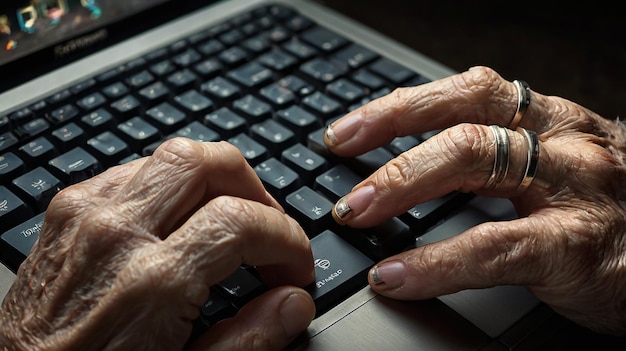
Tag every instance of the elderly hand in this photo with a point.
(568, 245)
(125, 259)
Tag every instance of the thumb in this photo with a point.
(269, 322)
(483, 256)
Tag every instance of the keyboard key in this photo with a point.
(368, 79)
(274, 136)
(16, 243)
(278, 95)
(162, 68)
(91, 101)
(299, 49)
(32, 129)
(305, 162)
(278, 179)
(340, 270)
(38, 187)
(382, 240)
(401, 144)
(216, 308)
(424, 215)
(108, 148)
(154, 93)
(324, 70)
(323, 105)
(194, 103)
(166, 117)
(211, 47)
(140, 79)
(241, 286)
(297, 85)
(68, 137)
(277, 60)
(37, 151)
(226, 123)
(7, 140)
(115, 90)
(251, 150)
(13, 210)
(10, 166)
(337, 182)
(75, 166)
(251, 75)
(391, 71)
(126, 106)
(197, 131)
(83, 86)
(355, 56)
(310, 209)
(186, 58)
(208, 68)
(233, 56)
(98, 120)
(138, 133)
(182, 80)
(221, 89)
(299, 120)
(346, 91)
(253, 109)
(324, 39)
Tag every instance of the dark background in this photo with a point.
(576, 51)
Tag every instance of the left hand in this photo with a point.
(125, 259)
(569, 243)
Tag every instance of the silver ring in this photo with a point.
(532, 160)
(523, 100)
(501, 160)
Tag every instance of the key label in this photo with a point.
(322, 263)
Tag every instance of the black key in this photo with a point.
(337, 182)
(158, 54)
(221, 89)
(251, 75)
(38, 187)
(231, 37)
(10, 166)
(241, 286)
(300, 121)
(154, 93)
(16, 243)
(391, 70)
(83, 86)
(279, 180)
(401, 144)
(138, 133)
(197, 131)
(278, 60)
(298, 23)
(424, 215)
(299, 49)
(194, 103)
(324, 70)
(323, 105)
(365, 164)
(324, 39)
(140, 79)
(7, 140)
(115, 90)
(346, 90)
(355, 56)
(368, 79)
(127, 106)
(273, 135)
(98, 120)
(186, 58)
(277, 95)
(305, 162)
(178, 46)
(211, 47)
(340, 270)
(111, 74)
(182, 80)
(381, 241)
(257, 44)
(75, 166)
(297, 85)
(108, 148)
(310, 209)
(91, 101)
(166, 117)
(233, 56)
(5, 124)
(163, 68)
(216, 308)
(251, 150)
(68, 137)
(59, 98)
(226, 122)
(253, 109)
(415, 81)
(278, 34)
(38, 150)
(32, 129)
(21, 116)
(315, 142)
(132, 157)
(13, 210)
(208, 68)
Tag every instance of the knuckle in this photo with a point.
(465, 144)
(178, 152)
(397, 172)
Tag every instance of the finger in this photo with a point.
(459, 158)
(479, 96)
(269, 322)
(181, 176)
(490, 254)
(229, 232)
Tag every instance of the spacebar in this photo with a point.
(17, 242)
(340, 270)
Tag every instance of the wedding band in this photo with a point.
(523, 100)
(501, 160)
(532, 160)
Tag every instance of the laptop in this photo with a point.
(65, 65)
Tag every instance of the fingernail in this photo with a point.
(343, 129)
(295, 315)
(389, 273)
(357, 201)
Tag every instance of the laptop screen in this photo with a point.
(38, 35)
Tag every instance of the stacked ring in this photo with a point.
(523, 100)
(532, 159)
(501, 161)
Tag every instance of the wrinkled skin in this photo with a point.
(125, 259)
(568, 245)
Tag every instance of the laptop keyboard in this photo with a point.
(267, 81)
